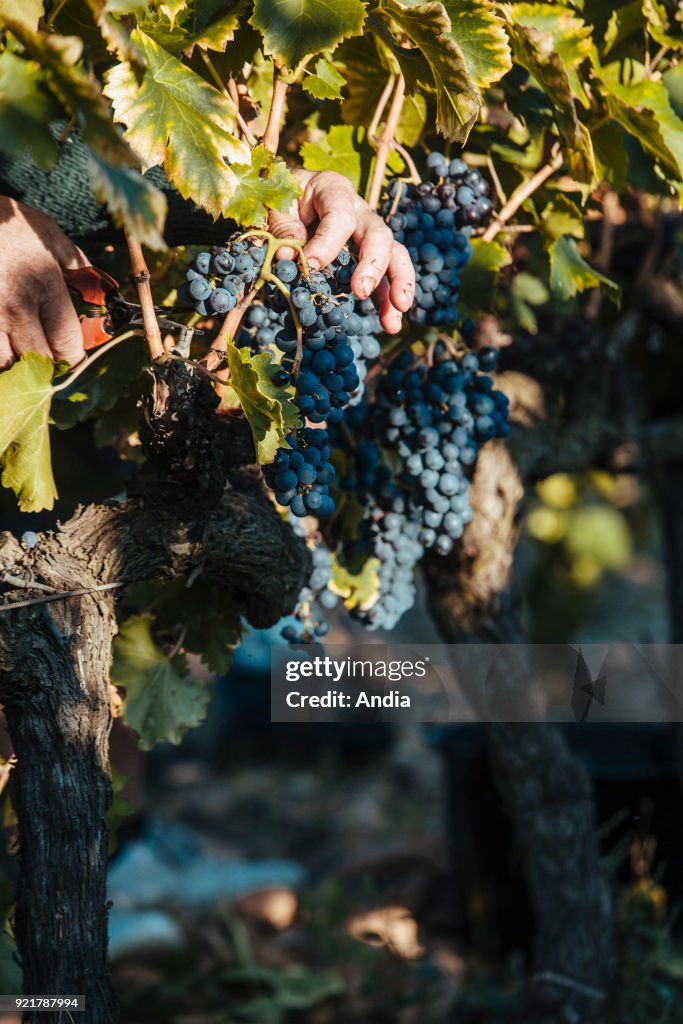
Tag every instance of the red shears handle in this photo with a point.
(94, 287)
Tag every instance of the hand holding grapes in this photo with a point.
(330, 212)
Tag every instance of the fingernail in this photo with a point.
(408, 291)
(313, 263)
(367, 286)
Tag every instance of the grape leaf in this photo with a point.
(177, 119)
(611, 157)
(133, 202)
(643, 108)
(571, 38)
(326, 83)
(535, 50)
(263, 184)
(480, 275)
(441, 65)
(269, 408)
(562, 217)
(75, 87)
(480, 35)
(360, 588)
(664, 23)
(161, 702)
(172, 8)
(28, 12)
(624, 22)
(569, 273)
(25, 111)
(366, 69)
(338, 150)
(295, 29)
(25, 398)
(102, 385)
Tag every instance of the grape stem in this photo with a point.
(384, 143)
(379, 109)
(141, 276)
(414, 178)
(271, 137)
(232, 321)
(86, 362)
(521, 194)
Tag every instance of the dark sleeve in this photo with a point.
(65, 194)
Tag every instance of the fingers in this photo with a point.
(6, 354)
(27, 335)
(401, 277)
(390, 317)
(287, 225)
(331, 199)
(375, 242)
(61, 326)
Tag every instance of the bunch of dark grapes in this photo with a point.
(216, 280)
(434, 221)
(411, 467)
(301, 475)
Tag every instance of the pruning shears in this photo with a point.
(107, 312)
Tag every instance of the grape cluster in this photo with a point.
(393, 538)
(434, 221)
(301, 474)
(215, 281)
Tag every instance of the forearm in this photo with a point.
(64, 193)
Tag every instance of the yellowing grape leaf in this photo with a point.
(436, 62)
(642, 106)
(133, 202)
(366, 65)
(479, 32)
(263, 184)
(295, 29)
(326, 83)
(338, 150)
(25, 398)
(357, 589)
(29, 12)
(569, 273)
(269, 408)
(176, 119)
(572, 38)
(25, 111)
(161, 702)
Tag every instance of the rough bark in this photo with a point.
(545, 791)
(195, 508)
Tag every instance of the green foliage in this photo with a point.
(262, 184)
(162, 701)
(569, 273)
(25, 399)
(357, 588)
(25, 109)
(480, 276)
(295, 29)
(268, 407)
(326, 83)
(134, 203)
(338, 150)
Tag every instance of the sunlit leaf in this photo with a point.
(664, 23)
(25, 399)
(572, 39)
(365, 66)
(261, 185)
(440, 64)
(358, 589)
(338, 150)
(480, 275)
(177, 119)
(326, 83)
(295, 29)
(268, 407)
(479, 32)
(162, 702)
(28, 12)
(643, 108)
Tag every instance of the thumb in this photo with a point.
(287, 225)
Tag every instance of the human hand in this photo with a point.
(36, 311)
(326, 216)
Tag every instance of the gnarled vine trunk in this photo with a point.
(195, 508)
